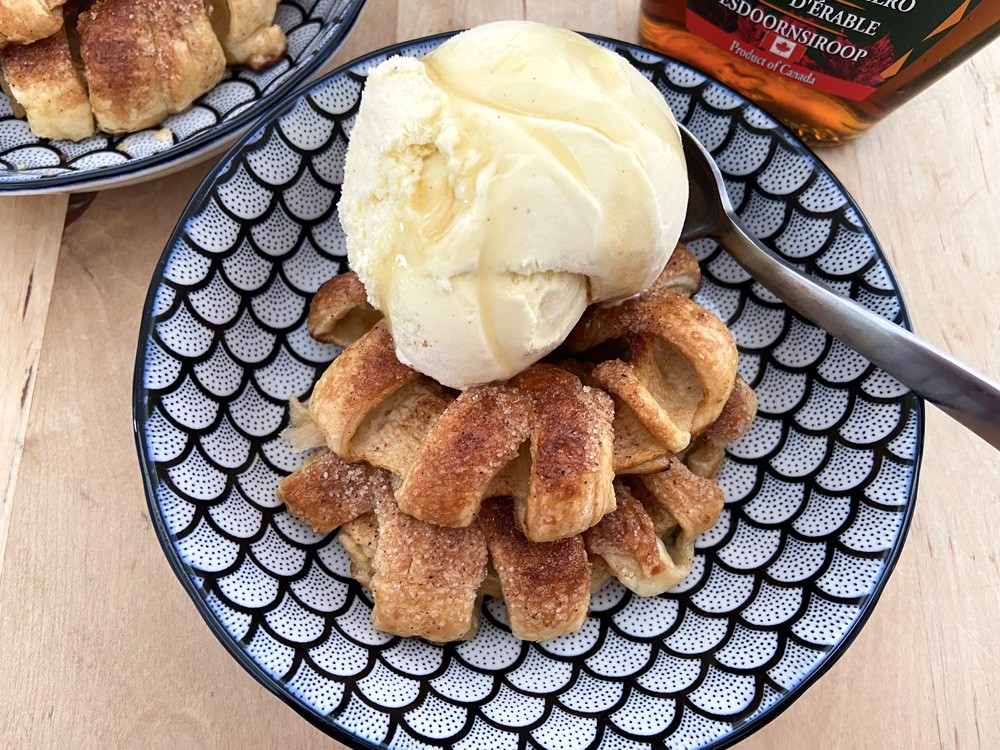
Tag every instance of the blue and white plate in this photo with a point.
(315, 30)
(819, 493)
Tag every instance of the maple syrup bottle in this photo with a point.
(829, 69)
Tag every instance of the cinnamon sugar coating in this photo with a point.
(121, 66)
(598, 462)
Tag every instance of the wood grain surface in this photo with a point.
(101, 648)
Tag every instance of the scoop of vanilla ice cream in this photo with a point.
(500, 184)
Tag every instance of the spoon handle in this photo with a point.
(964, 394)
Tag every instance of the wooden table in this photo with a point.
(101, 648)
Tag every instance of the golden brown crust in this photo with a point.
(44, 80)
(627, 542)
(679, 501)
(147, 59)
(140, 60)
(693, 335)
(339, 312)
(736, 416)
(391, 434)
(328, 491)
(554, 523)
(476, 436)
(365, 375)
(546, 585)
(601, 323)
(639, 413)
(426, 578)
(679, 372)
(26, 21)
(569, 486)
(359, 538)
(373, 408)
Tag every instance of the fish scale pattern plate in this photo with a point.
(28, 164)
(819, 493)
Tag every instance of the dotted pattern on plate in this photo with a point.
(818, 493)
(311, 26)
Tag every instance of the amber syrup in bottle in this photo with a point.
(828, 69)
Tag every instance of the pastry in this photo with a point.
(43, 79)
(427, 580)
(120, 66)
(26, 21)
(247, 32)
(450, 452)
(595, 462)
(146, 59)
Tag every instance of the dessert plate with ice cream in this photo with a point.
(452, 444)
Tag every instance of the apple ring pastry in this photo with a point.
(597, 462)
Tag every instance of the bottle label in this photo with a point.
(847, 48)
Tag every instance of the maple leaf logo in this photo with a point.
(780, 46)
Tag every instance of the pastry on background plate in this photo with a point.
(120, 66)
(47, 87)
(26, 21)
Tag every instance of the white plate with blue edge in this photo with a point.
(819, 493)
(315, 29)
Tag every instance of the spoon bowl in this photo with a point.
(966, 395)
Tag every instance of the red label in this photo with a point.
(779, 55)
(846, 48)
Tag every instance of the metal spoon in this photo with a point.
(968, 396)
